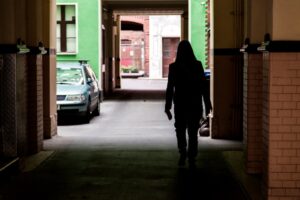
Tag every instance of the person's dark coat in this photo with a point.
(186, 88)
(187, 84)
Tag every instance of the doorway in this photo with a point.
(169, 47)
(148, 44)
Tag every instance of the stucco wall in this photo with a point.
(88, 33)
(198, 30)
(257, 25)
(223, 24)
(286, 24)
(161, 26)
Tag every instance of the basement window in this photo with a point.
(131, 26)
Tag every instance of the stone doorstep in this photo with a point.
(11, 165)
(8, 163)
(29, 163)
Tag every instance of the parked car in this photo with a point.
(78, 91)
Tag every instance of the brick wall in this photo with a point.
(22, 99)
(133, 35)
(50, 118)
(281, 125)
(8, 106)
(147, 44)
(252, 112)
(21, 105)
(35, 103)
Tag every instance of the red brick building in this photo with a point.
(134, 49)
(135, 44)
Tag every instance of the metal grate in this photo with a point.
(8, 105)
(60, 97)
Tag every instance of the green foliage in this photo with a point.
(129, 69)
(125, 70)
(134, 70)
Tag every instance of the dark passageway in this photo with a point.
(129, 152)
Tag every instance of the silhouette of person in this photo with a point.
(186, 88)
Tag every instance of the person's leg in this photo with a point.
(180, 128)
(193, 141)
(181, 138)
(193, 127)
(181, 141)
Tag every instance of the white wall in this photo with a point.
(159, 27)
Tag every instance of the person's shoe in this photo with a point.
(181, 161)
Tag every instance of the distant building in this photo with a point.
(134, 49)
(149, 43)
(165, 33)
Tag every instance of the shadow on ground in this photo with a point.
(135, 175)
(126, 95)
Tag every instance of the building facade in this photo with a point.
(134, 44)
(78, 32)
(152, 48)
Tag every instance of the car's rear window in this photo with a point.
(72, 76)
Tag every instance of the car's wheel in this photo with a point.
(97, 110)
(87, 116)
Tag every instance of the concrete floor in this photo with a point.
(128, 152)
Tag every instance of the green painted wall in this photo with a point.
(198, 29)
(88, 33)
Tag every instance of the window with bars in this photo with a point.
(66, 29)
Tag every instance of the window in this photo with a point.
(131, 26)
(66, 29)
(70, 76)
(126, 41)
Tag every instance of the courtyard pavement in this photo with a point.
(128, 152)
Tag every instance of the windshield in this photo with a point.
(71, 76)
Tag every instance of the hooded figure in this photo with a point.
(186, 89)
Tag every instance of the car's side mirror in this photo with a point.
(89, 80)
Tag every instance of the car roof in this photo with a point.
(70, 64)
